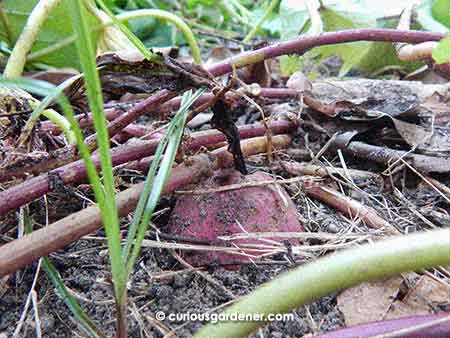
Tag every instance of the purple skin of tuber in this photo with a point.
(265, 208)
(440, 330)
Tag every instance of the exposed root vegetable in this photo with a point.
(18, 253)
(247, 209)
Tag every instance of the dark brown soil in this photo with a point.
(161, 283)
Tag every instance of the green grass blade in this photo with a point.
(107, 201)
(171, 18)
(70, 300)
(150, 177)
(52, 115)
(157, 183)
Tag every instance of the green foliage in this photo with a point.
(351, 53)
(126, 31)
(153, 32)
(56, 28)
(338, 15)
(441, 11)
(104, 193)
(81, 316)
(295, 17)
(441, 54)
(426, 19)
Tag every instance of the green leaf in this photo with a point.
(335, 16)
(426, 20)
(106, 197)
(382, 54)
(339, 15)
(350, 53)
(294, 18)
(56, 28)
(441, 11)
(441, 54)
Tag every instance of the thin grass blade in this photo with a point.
(107, 201)
(157, 183)
(83, 319)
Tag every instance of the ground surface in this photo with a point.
(162, 283)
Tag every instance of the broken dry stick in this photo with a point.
(423, 163)
(296, 168)
(20, 252)
(347, 206)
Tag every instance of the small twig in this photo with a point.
(37, 321)
(239, 186)
(203, 275)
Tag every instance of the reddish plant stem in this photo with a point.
(20, 252)
(296, 46)
(75, 172)
(69, 154)
(125, 119)
(85, 120)
(386, 326)
(302, 44)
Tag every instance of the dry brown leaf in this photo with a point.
(430, 140)
(368, 301)
(419, 300)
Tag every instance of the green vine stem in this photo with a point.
(256, 28)
(17, 59)
(333, 273)
(60, 121)
(172, 18)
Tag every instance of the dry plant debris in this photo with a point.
(272, 172)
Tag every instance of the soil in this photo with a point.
(161, 283)
(84, 268)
